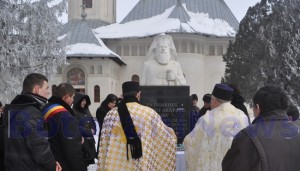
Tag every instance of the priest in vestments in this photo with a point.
(212, 136)
(134, 137)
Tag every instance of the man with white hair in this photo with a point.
(209, 141)
(161, 68)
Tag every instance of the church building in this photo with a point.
(102, 54)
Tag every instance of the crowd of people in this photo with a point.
(56, 134)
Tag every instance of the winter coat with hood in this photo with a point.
(86, 125)
(64, 136)
(26, 148)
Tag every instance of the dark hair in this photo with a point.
(194, 97)
(63, 89)
(235, 88)
(32, 80)
(270, 98)
(293, 112)
(109, 98)
(0, 104)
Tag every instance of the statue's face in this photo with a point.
(163, 55)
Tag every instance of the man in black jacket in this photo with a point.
(26, 147)
(271, 142)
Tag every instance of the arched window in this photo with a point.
(184, 47)
(192, 47)
(92, 69)
(126, 50)
(211, 50)
(142, 50)
(96, 93)
(99, 69)
(134, 50)
(76, 77)
(220, 50)
(135, 78)
(199, 48)
(88, 3)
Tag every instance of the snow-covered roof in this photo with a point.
(216, 9)
(175, 19)
(82, 41)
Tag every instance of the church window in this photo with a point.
(192, 47)
(119, 50)
(199, 49)
(88, 3)
(76, 77)
(142, 51)
(135, 78)
(126, 50)
(134, 50)
(92, 69)
(220, 50)
(184, 47)
(99, 69)
(211, 50)
(96, 93)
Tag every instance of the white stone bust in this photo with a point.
(161, 68)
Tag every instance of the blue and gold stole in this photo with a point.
(52, 110)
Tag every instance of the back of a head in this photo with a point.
(130, 88)
(32, 80)
(293, 112)
(63, 89)
(206, 98)
(235, 88)
(270, 98)
(194, 97)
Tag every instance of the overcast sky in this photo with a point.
(238, 7)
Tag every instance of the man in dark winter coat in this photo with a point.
(271, 142)
(26, 146)
(64, 136)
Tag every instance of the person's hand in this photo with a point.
(58, 167)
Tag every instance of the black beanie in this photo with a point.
(223, 92)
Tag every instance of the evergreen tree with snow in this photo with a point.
(267, 49)
(28, 42)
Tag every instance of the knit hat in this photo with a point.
(223, 92)
(206, 98)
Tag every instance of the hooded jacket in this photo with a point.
(86, 125)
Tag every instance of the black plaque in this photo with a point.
(172, 103)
